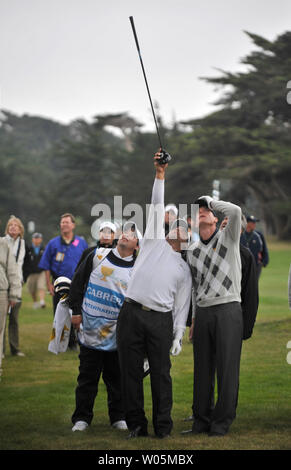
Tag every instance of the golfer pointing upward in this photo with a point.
(153, 317)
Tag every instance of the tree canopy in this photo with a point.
(248, 139)
(47, 168)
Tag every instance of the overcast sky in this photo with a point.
(69, 59)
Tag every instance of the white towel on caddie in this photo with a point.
(60, 335)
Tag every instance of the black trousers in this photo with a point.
(217, 345)
(92, 364)
(143, 333)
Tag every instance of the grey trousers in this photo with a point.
(217, 345)
(3, 314)
(13, 329)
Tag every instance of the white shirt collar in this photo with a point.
(116, 253)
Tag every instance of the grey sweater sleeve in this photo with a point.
(233, 213)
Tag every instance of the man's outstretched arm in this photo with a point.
(155, 222)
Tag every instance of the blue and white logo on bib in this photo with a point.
(101, 305)
(97, 297)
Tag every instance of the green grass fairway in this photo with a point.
(37, 391)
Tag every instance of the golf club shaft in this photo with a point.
(145, 78)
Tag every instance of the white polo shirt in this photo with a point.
(161, 279)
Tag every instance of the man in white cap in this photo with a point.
(96, 295)
(153, 317)
(107, 234)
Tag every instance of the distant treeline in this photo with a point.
(47, 168)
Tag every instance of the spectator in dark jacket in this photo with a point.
(249, 291)
(249, 284)
(32, 274)
(254, 240)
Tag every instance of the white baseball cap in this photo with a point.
(130, 224)
(108, 224)
(171, 207)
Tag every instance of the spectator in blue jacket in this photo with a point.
(62, 254)
(61, 257)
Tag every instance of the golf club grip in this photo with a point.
(134, 33)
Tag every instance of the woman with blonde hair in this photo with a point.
(14, 234)
(10, 288)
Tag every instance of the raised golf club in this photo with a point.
(165, 156)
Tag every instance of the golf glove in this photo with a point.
(176, 347)
(177, 342)
(146, 365)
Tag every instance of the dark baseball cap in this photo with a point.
(252, 218)
(203, 203)
(36, 235)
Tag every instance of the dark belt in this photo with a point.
(143, 307)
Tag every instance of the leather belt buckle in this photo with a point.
(145, 308)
